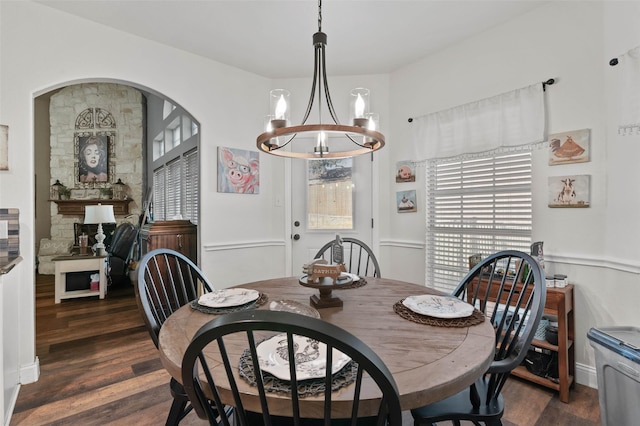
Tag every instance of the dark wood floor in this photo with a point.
(99, 367)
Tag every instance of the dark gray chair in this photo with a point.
(119, 250)
(509, 287)
(216, 333)
(358, 257)
(167, 280)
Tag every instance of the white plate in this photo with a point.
(228, 297)
(295, 307)
(354, 277)
(438, 306)
(310, 354)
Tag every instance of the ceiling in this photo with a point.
(272, 38)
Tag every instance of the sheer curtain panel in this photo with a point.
(510, 119)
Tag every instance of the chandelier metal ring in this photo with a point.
(375, 140)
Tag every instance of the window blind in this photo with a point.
(173, 190)
(475, 206)
(191, 188)
(158, 194)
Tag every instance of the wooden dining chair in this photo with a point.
(509, 288)
(358, 257)
(247, 328)
(168, 280)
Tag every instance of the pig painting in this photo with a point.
(238, 171)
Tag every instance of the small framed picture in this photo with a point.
(569, 191)
(406, 201)
(238, 171)
(405, 171)
(569, 147)
(4, 147)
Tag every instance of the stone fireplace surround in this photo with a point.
(94, 108)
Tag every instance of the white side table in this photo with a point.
(66, 264)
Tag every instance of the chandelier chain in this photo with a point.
(319, 15)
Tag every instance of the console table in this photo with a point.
(66, 264)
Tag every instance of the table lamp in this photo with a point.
(99, 214)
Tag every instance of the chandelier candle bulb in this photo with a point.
(279, 102)
(360, 106)
(372, 124)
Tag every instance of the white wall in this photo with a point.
(570, 41)
(596, 247)
(43, 49)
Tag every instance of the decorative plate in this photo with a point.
(228, 297)
(438, 306)
(354, 277)
(295, 307)
(310, 357)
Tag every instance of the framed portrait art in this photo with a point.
(94, 154)
(238, 171)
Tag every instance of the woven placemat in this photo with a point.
(354, 284)
(477, 317)
(261, 300)
(309, 387)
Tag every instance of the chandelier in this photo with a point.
(361, 133)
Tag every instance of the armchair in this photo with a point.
(119, 251)
(48, 250)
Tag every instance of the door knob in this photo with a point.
(296, 237)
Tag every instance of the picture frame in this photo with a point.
(406, 201)
(238, 171)
(569, 147)
(94, 154)
(405, 172)
(571, 191)
(4, 147)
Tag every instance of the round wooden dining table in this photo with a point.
(428, 362)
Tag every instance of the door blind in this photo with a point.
(475, 206)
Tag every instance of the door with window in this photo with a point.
(329, 197)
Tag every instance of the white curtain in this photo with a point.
(629, 95)
(507, 120)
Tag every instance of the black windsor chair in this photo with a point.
(168, 280)
(358, 257)
(509, 288)
(251, 325)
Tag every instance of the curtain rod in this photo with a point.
(615, 61)
(549, 82)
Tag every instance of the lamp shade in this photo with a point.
(99, 214)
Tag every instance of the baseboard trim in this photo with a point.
(30, 373)
(586, 375)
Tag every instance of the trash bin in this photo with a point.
(617, 351)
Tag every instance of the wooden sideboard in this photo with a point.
(178, 235)
(76, 207)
